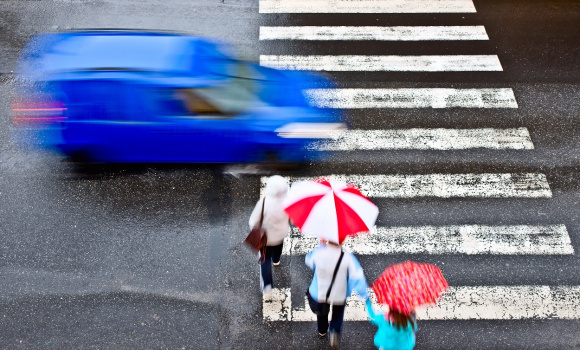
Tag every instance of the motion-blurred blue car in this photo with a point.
(147, 97)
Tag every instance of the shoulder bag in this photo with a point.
(257, 239)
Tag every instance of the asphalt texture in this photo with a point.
(150, 257)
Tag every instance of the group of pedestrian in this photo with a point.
(337, 274)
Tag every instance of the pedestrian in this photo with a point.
(276, 224)
(340, 273)
(396, 330)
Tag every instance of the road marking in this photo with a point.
(456, 239)
(366, 6)
(458, 303)
(417, 33)
(412, 98)
(351, 63)
(427, 139)
(527, 185)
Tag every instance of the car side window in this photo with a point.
(197, 105)
(227, 99)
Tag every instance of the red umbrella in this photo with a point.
(407, 285)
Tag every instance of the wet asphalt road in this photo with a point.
(151, 257)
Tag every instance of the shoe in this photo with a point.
(276, 263)
(321, 335)
(334, 340)
(267, 291)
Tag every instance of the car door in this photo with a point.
(101, 124)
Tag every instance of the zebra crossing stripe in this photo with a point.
(458, 303)
(351, 63)
(416, 33)
(427, 139)
(412, 98)
(527, 185)
(366, 6)
(458, 239)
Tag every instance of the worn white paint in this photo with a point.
(351, 63)
(427, 139)
(400, 33)
(412, 98)
(366, 6)
(457, 239)
(527, 185)
(277, 307)
(458, 303)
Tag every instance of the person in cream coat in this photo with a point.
(275, 223)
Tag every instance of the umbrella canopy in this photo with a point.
(405, 286)
(329, 209)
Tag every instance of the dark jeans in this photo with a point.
(335, 322)
(273, 253)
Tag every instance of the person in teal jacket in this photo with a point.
(396, 331)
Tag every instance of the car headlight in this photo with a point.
(311, 130)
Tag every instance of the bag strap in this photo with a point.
(262, 215)
(334, 275)
(264, 238)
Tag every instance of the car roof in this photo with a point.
(129, 51)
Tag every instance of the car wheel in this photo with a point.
(81, 157)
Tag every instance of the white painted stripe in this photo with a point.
(366, 6)
(351, 63)
(458, 303)
(464, 239)
(412, 98)
(416, 33)
(506, 302)
(427, 139)
(528, 185)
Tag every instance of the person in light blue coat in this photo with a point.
(350, 277)
(396, 331)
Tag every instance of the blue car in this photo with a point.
(117, 96)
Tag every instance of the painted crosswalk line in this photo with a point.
(427, 139)
(527, 185)
(357, 63)
(399, 33)
(454, 239)
(458, 303)
(354, 98)
(366, 6)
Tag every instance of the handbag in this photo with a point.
(257, 239)
(315, 306)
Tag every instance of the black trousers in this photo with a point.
(273, 254)
(335, 322)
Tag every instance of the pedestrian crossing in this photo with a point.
(366, 6)
(398, 33)
(427, 139)
(500, 302)
(354, 63)
(458, 303)
(357, 98)
(453, 239)
(492, 185)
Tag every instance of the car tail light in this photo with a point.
(31, 113)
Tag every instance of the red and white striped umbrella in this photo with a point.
(329, 209)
